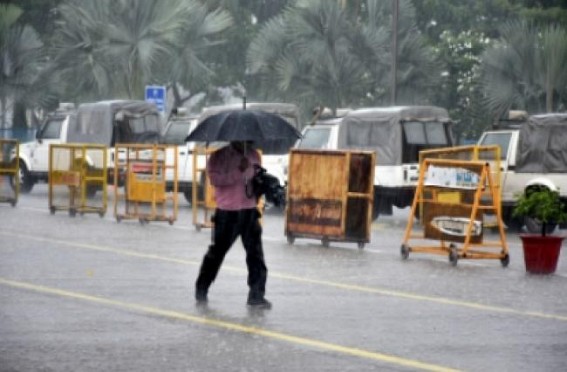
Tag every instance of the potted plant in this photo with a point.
(541, 251)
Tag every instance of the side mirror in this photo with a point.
(38, 135)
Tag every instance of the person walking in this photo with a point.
(230, 170)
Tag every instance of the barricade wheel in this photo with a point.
(143, 221)
(325, 241)
(404, 251)
(170, 221)
(453, 254)
(118, 219)
(505, 261)
(290, 239)
(360, 245)
(101, 214)
(72, 212)
(13, 203)
(52, 210)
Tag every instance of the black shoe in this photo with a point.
(260, 303)
(201, 296)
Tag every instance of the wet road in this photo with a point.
(91, 294)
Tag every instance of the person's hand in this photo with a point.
(244, 163)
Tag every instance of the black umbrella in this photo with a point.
(270, 132)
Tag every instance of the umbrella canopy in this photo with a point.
(270, 132)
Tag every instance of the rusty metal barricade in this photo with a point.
(9, 171)
(330, 195)
(76, 173)
(143, 195)
(455, 195)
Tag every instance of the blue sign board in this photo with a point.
(156, 94)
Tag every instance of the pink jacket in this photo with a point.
(229, 181)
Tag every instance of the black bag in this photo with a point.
(264, 183)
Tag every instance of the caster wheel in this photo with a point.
(198, 228)
(118, 219)
(52, 210)
(101, 214)
(13, 203)
(170, 221)
(290, 239)
(505, 261)
(143, 221)
(453, 255)
(404, 251)
(360, 245)
(72, 212)
(326, 243)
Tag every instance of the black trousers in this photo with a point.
(228, 225)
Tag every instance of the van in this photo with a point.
(396, 134)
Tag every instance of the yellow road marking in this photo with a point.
(171, 314)
(350, 287)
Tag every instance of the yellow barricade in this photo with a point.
(143, 196)
(76, 173)
(490, 154)
(203, 203)
(455, 196)
(9, 172)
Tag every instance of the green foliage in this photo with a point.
(542, 204)
(525, 69)
(319, 53)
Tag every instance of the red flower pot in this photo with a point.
(541, 253)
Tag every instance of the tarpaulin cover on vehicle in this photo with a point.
(543, 145)
(381, 130)
(95, 122)
(288, 111)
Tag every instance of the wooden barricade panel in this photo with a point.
(318, 182)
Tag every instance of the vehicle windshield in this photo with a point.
(143, 129)
(315, 138)
(500, 139)
(176, 133)
(423, 135)
(52, 128)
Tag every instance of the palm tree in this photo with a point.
(21, 52)
(112, 48)
(322, 53)
(526, 69)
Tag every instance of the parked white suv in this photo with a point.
(34, 155)
(533, 154)
(105, 123)
(396, 134)
(178, 127)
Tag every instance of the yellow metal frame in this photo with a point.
(203, 204)
(10, 168)
(486, 190)
(77, 175)
(144, 168)
(471, 152)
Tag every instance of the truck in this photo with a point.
(533, 155)
(396, 134)
(104, 122)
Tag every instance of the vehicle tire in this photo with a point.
(27, 181)
(533, 226)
